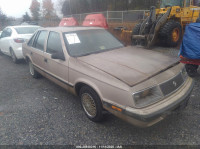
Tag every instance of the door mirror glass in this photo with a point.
(58, 55)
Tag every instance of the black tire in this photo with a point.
(166, 34)
(135, 31)
(13, 56)
(1, 52)
(32, 71)
(191, 69)
(93, 109)
(198, 20)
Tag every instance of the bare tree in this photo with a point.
(35, 10)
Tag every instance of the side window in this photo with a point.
(6, 33)
(40, 41)
(187, 3)
(9, 31)
(54, 43)
(30, 43)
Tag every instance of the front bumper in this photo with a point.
(151, 115)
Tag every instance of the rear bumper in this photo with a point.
(153, 114)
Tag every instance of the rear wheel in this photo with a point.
(13, 56)
(171, 33)
(91, 104)
(198, 20)
(32, 71)
(191, 69)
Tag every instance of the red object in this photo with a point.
(97, 20)
(19, 40)
(68, 22)
(189, 61)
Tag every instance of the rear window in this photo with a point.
(26, 30)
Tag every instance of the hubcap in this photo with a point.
(89, 105)
(31, 68)
(175, 34)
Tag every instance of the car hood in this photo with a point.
(131, 65)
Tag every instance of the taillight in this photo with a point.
(19, 40)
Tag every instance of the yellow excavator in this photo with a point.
(166, 24)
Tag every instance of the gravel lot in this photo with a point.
(38, 112)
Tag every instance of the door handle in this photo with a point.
(45, 60)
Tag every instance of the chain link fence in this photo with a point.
(115, 16)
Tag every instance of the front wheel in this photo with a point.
(170, 34)
(91, 104)
(191, 69)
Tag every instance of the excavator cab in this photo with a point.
(170, 3)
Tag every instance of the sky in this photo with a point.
(16, 8)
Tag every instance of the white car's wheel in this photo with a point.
(13, 56)
(1, 52)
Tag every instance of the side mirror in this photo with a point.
(58, 55)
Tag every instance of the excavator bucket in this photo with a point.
(149, 28)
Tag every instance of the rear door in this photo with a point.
(56, 68)
(37, 49)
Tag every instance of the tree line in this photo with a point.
(86, 6)
(69, 7)
(44, 10)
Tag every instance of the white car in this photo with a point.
(12, 38)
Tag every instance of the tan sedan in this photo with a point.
(136, 85)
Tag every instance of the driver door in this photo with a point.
(57, 69)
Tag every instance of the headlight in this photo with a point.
(184, 74)
(147, 96)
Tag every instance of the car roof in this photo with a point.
(23, 26)
(69, 29)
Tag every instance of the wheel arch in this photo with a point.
(82, 83)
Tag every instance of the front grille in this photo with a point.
(171, 85)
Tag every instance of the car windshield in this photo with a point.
(26, 30)
(81, 43)
(165, 3)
